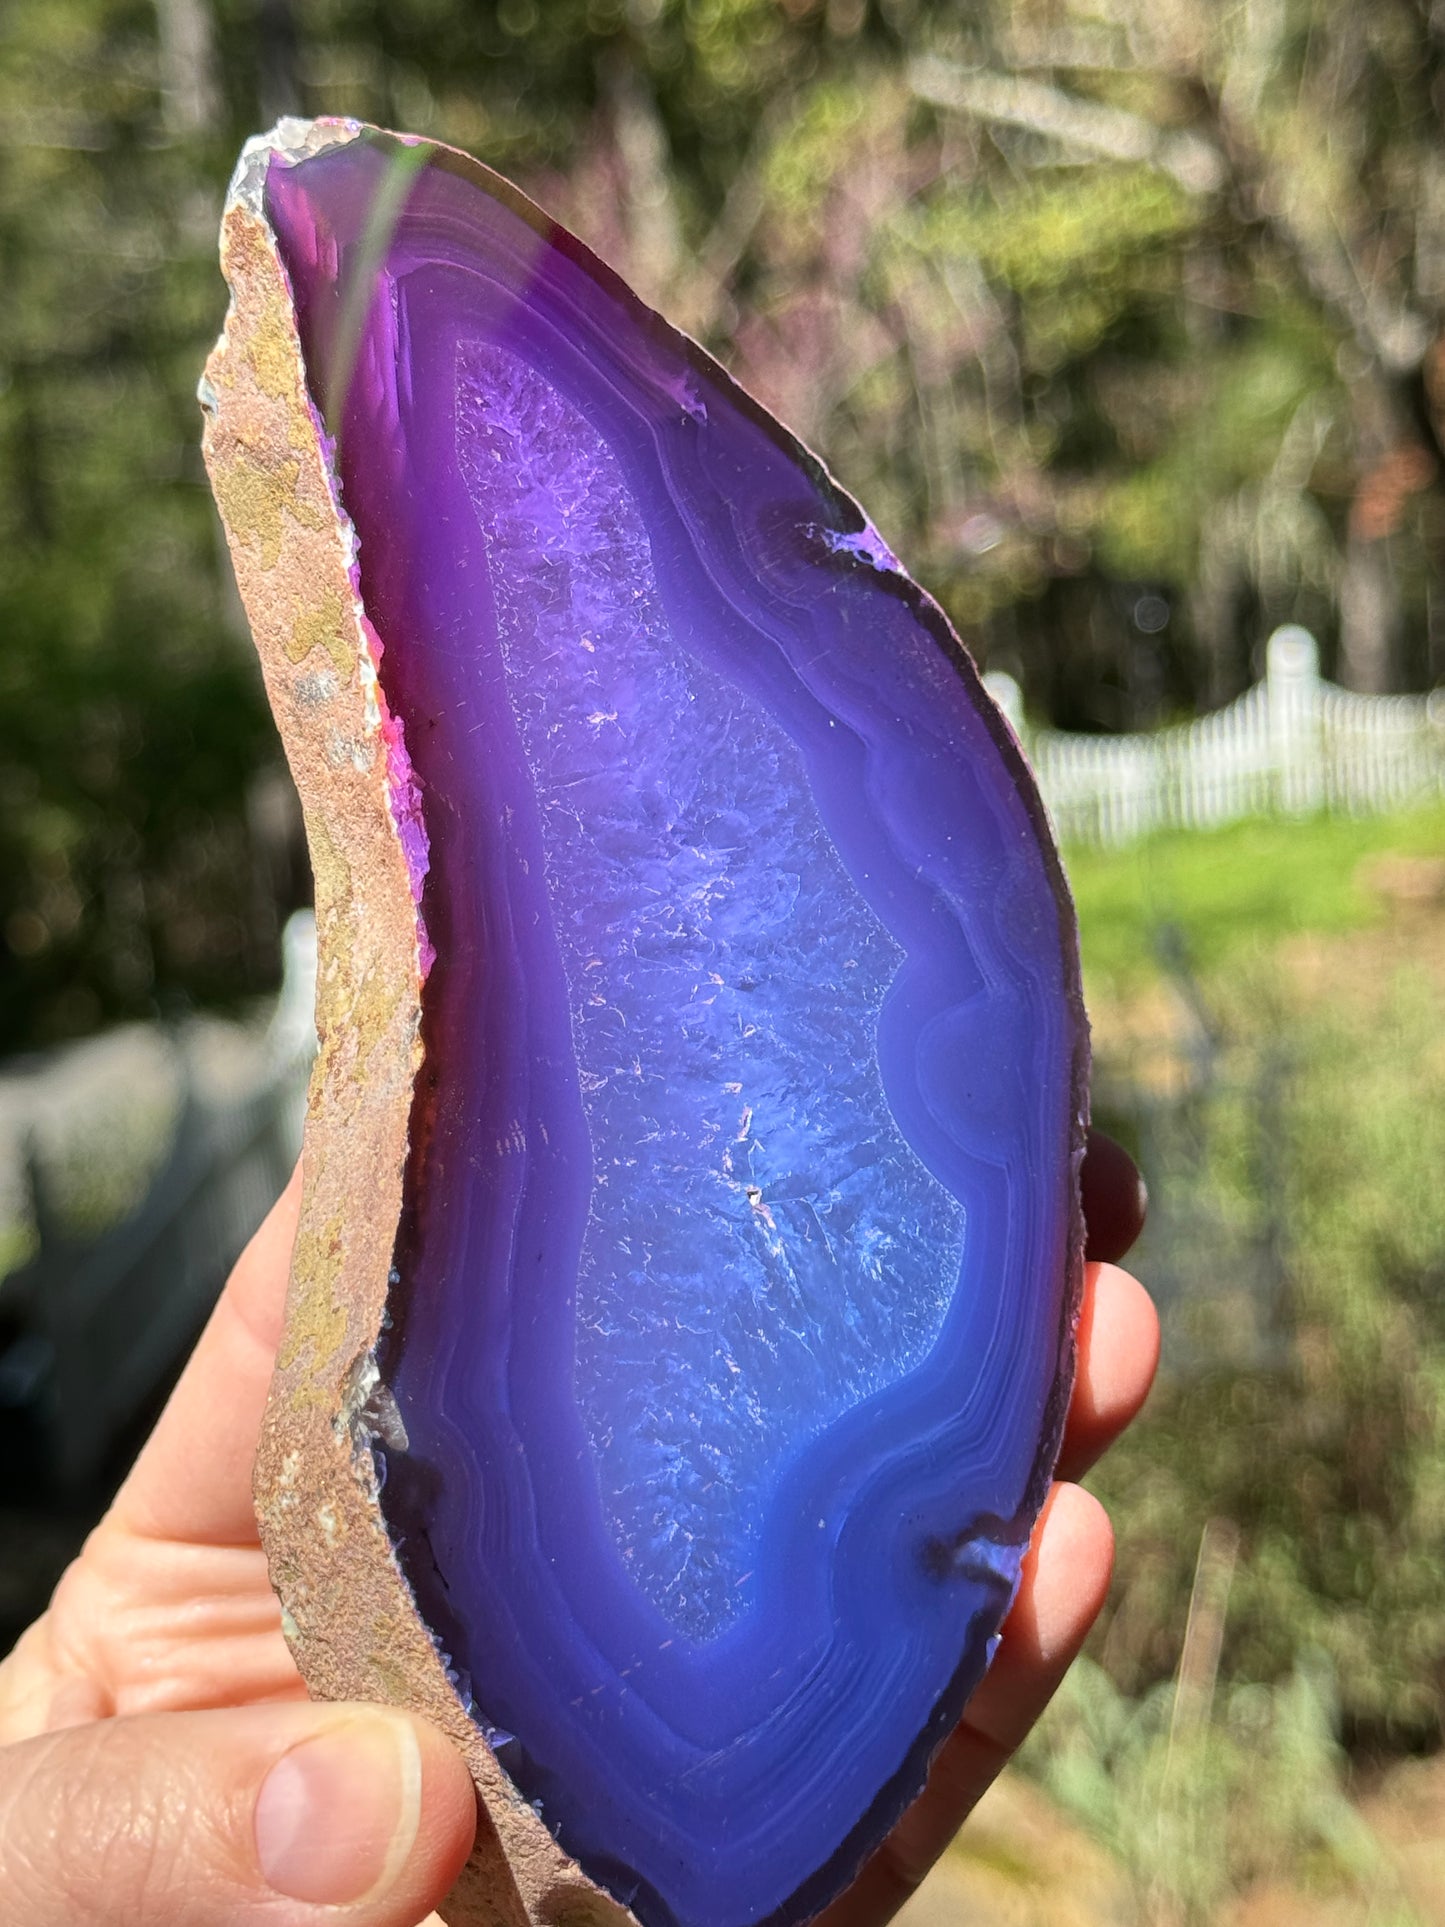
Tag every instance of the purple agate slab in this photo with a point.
(733, 1299)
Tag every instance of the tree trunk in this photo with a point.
(1369, 615)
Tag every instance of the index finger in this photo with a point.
(192, 1481)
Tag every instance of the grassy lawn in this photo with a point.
(1236, 890)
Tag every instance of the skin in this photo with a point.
(157, 1747)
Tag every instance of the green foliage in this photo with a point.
(132, 707)
(802, 163)
(1195, 1810)
(1246, 400)
(1079, 253)
(123, 847)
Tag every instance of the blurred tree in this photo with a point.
(1124, 318)
(132, 719)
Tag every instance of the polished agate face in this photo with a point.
(731, 1311)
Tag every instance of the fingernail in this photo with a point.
(336, 1816)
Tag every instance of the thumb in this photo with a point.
(358, 1816)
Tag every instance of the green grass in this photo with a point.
(1234, 891)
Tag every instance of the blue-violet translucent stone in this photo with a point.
(738, 1267)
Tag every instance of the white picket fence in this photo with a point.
(1293, 744)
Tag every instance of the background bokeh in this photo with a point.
(1126, 319)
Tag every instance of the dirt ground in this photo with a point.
(1019, 1862)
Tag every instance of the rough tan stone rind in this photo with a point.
(348, 1614)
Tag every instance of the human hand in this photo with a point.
(1070, 1560)
(159, 1760)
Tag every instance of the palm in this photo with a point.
(169, 1608)
(144, 1625)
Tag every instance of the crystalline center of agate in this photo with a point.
(754, 1243)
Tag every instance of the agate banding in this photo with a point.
(681, 1327)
